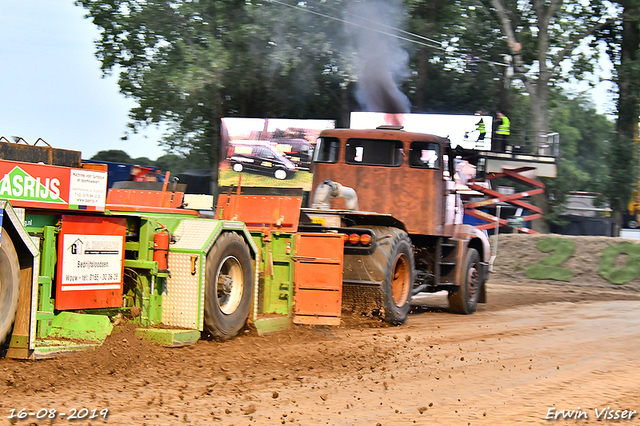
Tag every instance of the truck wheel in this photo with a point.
(395, 245)
(465, 299)
(280, 174)
(229, 289)
(633, 224)
(9, 284)
(237, 167)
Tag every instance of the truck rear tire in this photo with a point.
(395, 245)
(465, 299)
(9, 284)
(229, 289)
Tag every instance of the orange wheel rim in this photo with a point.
(401, 280)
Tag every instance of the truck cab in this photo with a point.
(406, 203)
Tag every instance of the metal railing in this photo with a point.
(534, 143)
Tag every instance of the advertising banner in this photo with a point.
(268, 152)
(52, 187)
(91, 264)
(462, 130)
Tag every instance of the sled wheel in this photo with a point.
(280, 174)
(465, 299)
(229, 289)
(238, 167)
(9, 284)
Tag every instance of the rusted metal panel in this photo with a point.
(414, 196)
(39, 154)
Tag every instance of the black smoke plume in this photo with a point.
(381, 62)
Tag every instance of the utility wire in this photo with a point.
(436, 44)
(361, 26)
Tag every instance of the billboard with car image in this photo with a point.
(272, 152)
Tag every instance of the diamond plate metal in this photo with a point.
(183, 305)
(194, 234)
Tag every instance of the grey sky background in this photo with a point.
(51, 86)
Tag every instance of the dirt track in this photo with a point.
(530, 349)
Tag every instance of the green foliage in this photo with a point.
(620, 275)
(189, 64)
(549, 268)
(623, 45)
(460, 79)
(115, 155)
(143, 161)
(174, 163)
(585, 138)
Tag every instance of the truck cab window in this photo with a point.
(373, 152)
(425, 155)
(327, 150)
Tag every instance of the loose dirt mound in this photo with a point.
(517, 252)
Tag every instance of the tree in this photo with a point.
(115, 155)
(174, 163)
(453, 63)
(190, 63)
(540, 36)
(585, 140)
(143, 161)
(623, 42)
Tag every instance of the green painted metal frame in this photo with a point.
(276, 275)
(94, 325)
(49, 258)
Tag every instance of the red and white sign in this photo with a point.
(91, 265)
(52, 187)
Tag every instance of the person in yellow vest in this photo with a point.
(480, 127)
(503, 132)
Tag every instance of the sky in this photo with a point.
(51, 85)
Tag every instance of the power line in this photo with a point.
(435, 44)
(363, 26)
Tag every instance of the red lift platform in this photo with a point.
(512, 167)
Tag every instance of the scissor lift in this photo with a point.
(512, 167)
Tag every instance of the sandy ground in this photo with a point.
(537, 349)
(532, 349)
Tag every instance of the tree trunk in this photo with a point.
(623, 155)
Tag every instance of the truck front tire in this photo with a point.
(465, 299)
(9, 284)
(229, 289)
(395, 245)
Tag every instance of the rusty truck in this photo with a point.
(402, 192)
(391, 195)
